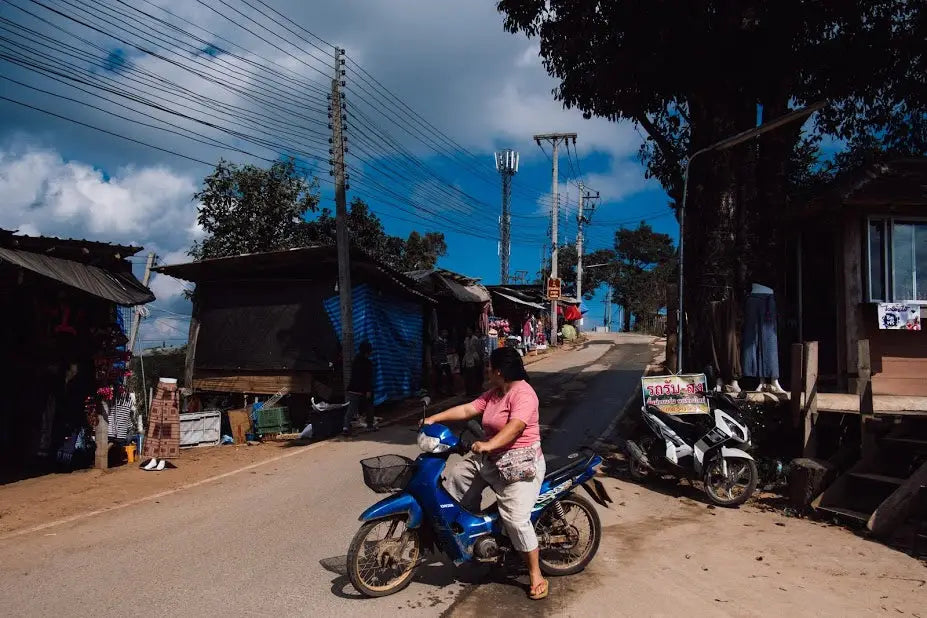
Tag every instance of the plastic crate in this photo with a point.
(272, 420)
(200, 427)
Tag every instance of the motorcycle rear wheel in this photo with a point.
(382, 557)
(579, 520)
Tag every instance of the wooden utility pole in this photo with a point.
(581, 219)
(555, 140)
(342, 236)
(136, 318)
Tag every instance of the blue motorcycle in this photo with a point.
(421, 515)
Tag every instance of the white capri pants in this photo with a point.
(516, 500)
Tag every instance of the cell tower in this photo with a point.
(507, 166)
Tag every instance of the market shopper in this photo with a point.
(509, 460)
(360, 389)
(473, 363)
(443, 377)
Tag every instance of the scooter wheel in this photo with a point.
(735, 488)
(382, 557)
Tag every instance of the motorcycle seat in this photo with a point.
(560, 465)
(688, 431)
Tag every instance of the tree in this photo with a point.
(644, 269)
(593, 278)
(248, 209)
(417, 252)
(691, 73)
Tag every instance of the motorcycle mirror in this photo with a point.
(426, 401)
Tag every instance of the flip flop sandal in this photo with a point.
(542, 591)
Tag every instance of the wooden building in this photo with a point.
(267, 322)
(861, 244)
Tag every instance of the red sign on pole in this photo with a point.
(553, 289)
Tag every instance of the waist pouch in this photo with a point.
(517, 464)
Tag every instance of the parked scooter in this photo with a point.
(421, 514)
(710, 447)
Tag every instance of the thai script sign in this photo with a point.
(682, 394)
(895, 316)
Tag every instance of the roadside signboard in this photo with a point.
(553, 289)
(682, 394)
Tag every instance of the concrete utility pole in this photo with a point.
(136, 318)
(342, 237)
(555, 140)
(581, 218)
(507, 166)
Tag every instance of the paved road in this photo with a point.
(271, 541)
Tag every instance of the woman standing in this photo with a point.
(473, 363)
(509, 460)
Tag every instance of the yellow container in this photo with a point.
(130, 453)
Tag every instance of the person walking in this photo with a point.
(360, 389)
(444, 379)
(473, 363)
(509, 460)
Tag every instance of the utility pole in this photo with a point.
(507, 166)
(581, 218)
(342, 238)
(136, 318)
(608, 307)
(555, 140)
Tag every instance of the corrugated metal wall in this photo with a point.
(394, 327)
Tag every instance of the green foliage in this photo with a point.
(417, 252)
(248, 209)
(644, 269)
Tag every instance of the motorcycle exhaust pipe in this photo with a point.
(635, 453)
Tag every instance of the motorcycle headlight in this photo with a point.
(430, 444)
(737, 431)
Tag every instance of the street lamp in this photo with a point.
(726, 143)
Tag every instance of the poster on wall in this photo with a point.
(682, 394)
(895, 316)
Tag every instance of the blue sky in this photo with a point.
(451, 62)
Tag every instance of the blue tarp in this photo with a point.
(394, 327)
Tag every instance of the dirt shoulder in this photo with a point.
(664, 552)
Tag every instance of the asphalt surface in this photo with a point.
(272, 540)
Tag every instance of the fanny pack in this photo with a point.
(517, 464)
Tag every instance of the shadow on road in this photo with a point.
(432, 573)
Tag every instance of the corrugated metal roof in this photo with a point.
(44, 243)
(120, 288)
(444, 282)
(289, 263)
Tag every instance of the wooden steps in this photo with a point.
(881, 478)
(859, 516)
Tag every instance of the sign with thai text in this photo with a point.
(682, 394)
(895, 316)
(553, 289)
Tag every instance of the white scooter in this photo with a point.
(709, 447)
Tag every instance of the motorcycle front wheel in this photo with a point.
(382, 557)
(569, 533)
(734, 488)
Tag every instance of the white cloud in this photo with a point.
(44, 194)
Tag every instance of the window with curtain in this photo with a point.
(897, 252)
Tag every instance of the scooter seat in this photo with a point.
(688, 431)
(561, 465)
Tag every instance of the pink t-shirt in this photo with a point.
(498, 409)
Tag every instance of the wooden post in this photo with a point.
(866, 405)
(796, 386)
(101, 457)
(809, 442)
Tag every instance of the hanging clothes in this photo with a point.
(120, 419)
(760, 353)
(725, 340)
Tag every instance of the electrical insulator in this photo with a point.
(347, 186)
(331, 151)
(344, 83)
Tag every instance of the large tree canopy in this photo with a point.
(417, 252)
(248, 209)
(691, 73)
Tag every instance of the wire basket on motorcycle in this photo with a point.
(387, 473)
